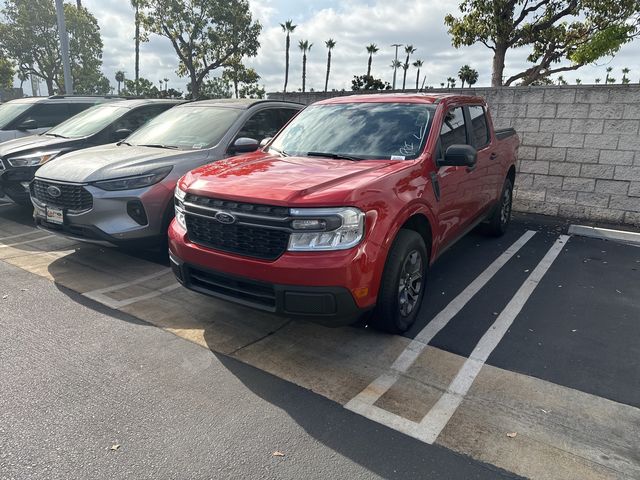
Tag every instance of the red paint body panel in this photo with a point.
(388, 191)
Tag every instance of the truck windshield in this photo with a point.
(188, 127)
(89, 122)
(378, 131)
(9, 111)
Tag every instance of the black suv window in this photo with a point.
(47, 115)
(76, 108)
(139, 116)
(263, 124)
(479, 129)
(287, 114)
(453, 131)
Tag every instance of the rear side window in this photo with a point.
(48, 115)
(263, 124)
(453, 131)
(479, 129)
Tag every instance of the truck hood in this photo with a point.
(36, 143)
(106, 162)
(283, 180)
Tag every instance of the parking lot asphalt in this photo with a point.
(524, 357)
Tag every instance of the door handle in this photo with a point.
(493, 156)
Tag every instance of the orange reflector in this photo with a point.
(361, 292)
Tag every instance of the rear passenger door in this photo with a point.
(488, 166)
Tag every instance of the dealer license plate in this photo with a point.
(55, 215)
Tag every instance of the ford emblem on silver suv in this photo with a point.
(224, 217)
(54, 191)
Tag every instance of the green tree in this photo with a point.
(577, 31)
(119, 78)
(578, 81)
(395, 64)
(214, 88)
(288, 27)
(304, 47)
(6, 73)
(330, 44)
(561, 81)
(408, 50)
(205, 34)
(468, 75)
(609, 70)
(597, 80)
(235, 73)
(29, 34)
(625, 80)
(372, 49)
(418, 64)
(367, 82)
(252, 90)
(143, 87)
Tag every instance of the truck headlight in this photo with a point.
(33, 159)
(179, 199)
(135, 181)
(325, 229)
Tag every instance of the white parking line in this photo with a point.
(101, 297)
(26, 241)
(8, 237)
(363, 402)
(439, 415)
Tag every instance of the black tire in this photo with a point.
(501, 217)
(399, 300)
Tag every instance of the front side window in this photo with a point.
(12, 110)
(453, 131)
(263, 124)
(89, 122)
(138, 117)
(189, 127)
(479, 129)
(48, 114)
(374, 130)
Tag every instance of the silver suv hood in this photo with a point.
(112, 161)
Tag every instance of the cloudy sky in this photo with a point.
(353, 24)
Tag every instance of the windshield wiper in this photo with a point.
(158, 145)
(55, 135)
(122, 142)
(281, 152)
(337, 156)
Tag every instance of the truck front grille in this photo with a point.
(72, 197)
(259, 231)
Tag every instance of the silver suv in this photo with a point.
(122, 193)
(33, 115)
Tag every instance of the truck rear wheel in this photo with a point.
(403, 284)
(501, 217)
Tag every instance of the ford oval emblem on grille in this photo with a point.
(224, 217)
(54, 191)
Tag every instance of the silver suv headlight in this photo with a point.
(318, 229)
(179, 199)
(33, 159)
(135, 181)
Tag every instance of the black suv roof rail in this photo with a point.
(93, 96)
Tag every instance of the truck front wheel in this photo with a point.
(403, 284)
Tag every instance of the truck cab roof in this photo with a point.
(428, 98)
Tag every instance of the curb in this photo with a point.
(605, 234)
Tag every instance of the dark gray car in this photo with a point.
(122, 193)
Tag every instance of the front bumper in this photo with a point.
(14, 182)
(108, 221)
(331, 306)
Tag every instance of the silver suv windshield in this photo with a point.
(187, 128)
(9, 111)
(89, 122)
(357, 131)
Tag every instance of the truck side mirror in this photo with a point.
(459, 156)
(27, 125)
(244, 145)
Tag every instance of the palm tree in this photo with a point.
(625, 79)
(442, 85)
(561, 80)
(408, 50)
(136, 5)
(464, 73)
(166, 84)
(578, 81)
(472, 77)
(418, 64)
(288, 27)
(331, 43)
(606, 79)
(119, 79)
(597, 80)
(372, 50)
(395, 64)
(304, 46)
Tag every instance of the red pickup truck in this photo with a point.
(341, 214)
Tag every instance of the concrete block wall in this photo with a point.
(580, 147)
